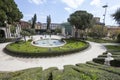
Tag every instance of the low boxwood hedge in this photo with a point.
(89, 71)
(3, 40)
(104, 67)
(25, 49)
(101, 60)
(47, 73)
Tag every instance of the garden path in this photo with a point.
(9, 63)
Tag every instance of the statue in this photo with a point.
(108, 59)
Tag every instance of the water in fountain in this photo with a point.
(48, 41)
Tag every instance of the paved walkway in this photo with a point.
(9, 63)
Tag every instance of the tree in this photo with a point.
(113, 33)
(48, 22)
(116, 16)
(81, 20)
(24, 34)
(68, 28)
(34, 19)
(9, 12)
(98, 31)
(12, 29)
(58, 30)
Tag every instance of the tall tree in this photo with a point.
(48, 22)
(81, 20)
(116, 16)
(9, 12)
(34, 19)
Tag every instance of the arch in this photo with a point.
(2, 33)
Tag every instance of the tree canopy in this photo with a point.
(9, 12)
(116, 16)
(80, 19)
(98, 31)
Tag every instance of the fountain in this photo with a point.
(47, 40)
(108, 59)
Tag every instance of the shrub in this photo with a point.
(118, 38)
(28, 74)
(2, 40)
(104, 67)
(47, 73)
(99, 60)
(57, 75)
(115, 62)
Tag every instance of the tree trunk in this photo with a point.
(76, 33)
(25, 38)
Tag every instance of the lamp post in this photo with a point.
(105, 7)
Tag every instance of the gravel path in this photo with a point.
(9, 63)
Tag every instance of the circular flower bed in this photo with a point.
(25, 49)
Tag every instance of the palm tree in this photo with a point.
(116, 16)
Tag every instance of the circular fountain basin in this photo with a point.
(49, 43)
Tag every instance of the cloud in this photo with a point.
(68, 9)
(37, 2)
(73, 3)
(96, 2)
(114, 8)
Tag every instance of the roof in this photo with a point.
(114, 28)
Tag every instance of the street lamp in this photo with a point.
(105, 6)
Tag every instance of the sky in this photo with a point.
(60, 10)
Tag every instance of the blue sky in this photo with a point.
(61, 9)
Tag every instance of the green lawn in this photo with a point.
(113, 47)
(101, 40)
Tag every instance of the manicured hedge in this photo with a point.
(70, 47)
(101, 60)
(28, 74)
(89, 71)
(104, 67)
(3, 40)
(115, 51)
(47, 73)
